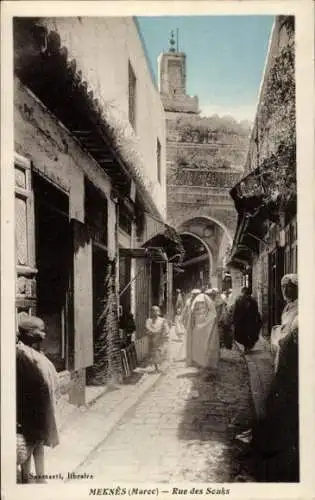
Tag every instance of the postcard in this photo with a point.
(157, 249)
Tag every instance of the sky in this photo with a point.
(225, 57)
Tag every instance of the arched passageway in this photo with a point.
(207, 244)
(196, 267)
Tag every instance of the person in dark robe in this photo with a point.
(246, 320)
(36, 390)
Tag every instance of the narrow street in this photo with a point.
(176, 434)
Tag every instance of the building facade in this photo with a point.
(205, 158)
(265, 243)
(90, 174)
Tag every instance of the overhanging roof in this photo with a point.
(170, 241)
(58, 82)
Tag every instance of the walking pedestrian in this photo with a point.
(226, 294)
(179, 328)
(186, 311)
(157, 329)
(246, 320)
(224, 318)
(36, 387)
(202, 334)
(211, 293)
(179, 304)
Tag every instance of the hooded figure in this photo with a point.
(179, 304)
(185, 314)
(202, 336)
(276, 436)
(36, 386)
(246, 320)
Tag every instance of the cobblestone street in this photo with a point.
(183, 430)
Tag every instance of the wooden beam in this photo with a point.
(82, 132)
(94, 150)
(195, 260)
(105, 160)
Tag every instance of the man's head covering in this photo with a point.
(32, 327)
(208, 291)
(203, 298)
(289, 278)
(195, 291)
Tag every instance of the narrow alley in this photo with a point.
(156, 227)
(183, 430)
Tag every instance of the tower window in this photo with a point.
(132, 95)
(158, 159)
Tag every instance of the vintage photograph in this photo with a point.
(156, 251)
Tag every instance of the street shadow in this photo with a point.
(134, 378)
(218, 407)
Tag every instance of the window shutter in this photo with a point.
(82, 296)
(24, 237)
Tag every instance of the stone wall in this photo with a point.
(274, 124)
(114, 42)
(52, 151)
(272, 148)
(204, 158)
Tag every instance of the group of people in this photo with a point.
(208, 320)
(199, 318)
(213, 320)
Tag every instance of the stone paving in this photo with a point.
(182, 430)
(90, 425)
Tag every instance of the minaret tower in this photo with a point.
(172, 79)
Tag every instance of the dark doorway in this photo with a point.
(276, 271)
(155, 283)
(99, 267)
(124, 281)
(53, 259)
(196, 265)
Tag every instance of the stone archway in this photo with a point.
(204, 243)
(225, 218)
(197, 266)
(216, 238)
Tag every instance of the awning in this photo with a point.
(155, 254)
(241, 257)
(171, 243)
(249, 200)
(249, 234)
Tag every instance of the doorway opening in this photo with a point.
(53, 260)
(196, 265)
(99, 268)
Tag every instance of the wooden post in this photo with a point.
(169, 293)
